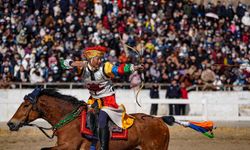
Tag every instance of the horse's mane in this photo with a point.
(54, 93)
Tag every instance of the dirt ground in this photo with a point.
(227, 138)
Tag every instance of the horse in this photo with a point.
(147, 132)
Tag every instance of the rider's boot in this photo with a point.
(104, 138)
(92, 147)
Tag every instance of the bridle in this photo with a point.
(33, 98)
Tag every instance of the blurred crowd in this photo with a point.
(175, 39)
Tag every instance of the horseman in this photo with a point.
(97, 76)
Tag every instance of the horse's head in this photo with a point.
(47, 104)
(26, 113)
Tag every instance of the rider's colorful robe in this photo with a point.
(101, 90)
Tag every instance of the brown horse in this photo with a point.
(147, 133)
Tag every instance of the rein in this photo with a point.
(42, 130)
(67, 119)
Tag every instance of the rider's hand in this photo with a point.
(139, 67)
(66, 64)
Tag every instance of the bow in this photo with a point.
(140, 58)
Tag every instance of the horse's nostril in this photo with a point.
(11, 125)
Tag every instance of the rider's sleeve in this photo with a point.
(112, 71)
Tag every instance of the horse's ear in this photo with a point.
(25, 97)
(37, 90)
(32, 97)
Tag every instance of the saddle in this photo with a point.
(117, 133)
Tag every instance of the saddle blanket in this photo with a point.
(116, 133)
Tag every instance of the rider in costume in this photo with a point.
(97, 77)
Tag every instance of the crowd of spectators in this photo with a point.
(175, 38)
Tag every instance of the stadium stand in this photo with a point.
(177, 39)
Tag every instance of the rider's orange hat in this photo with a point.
(96, 51)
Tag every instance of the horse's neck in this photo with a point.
(54, 110)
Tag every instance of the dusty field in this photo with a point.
(227, 138)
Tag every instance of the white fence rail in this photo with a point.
(205, 104)
(221, 106)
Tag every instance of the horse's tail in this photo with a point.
(169, 120)
(206, 127)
